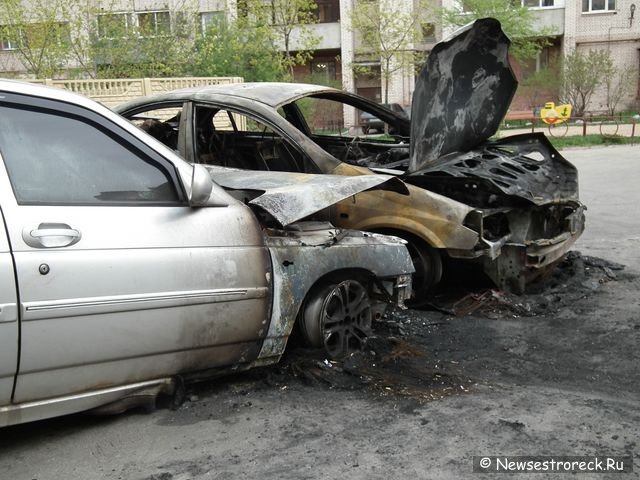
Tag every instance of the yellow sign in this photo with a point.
(553, 114)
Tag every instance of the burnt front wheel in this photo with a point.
(337, 317)
(428, 265)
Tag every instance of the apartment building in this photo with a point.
(577, 24)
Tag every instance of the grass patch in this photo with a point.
(590, 140)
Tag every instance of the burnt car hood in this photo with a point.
(500, 173)
(462, 93)
(289, 197)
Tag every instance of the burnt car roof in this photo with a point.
(272, 94)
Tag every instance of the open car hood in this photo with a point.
(289, 197)
(462, 93)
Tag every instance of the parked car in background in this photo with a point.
(370, 123)
(510, 205)
(126, 271)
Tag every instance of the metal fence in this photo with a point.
(606, 125)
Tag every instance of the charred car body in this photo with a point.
(511, 205)
(125, 270)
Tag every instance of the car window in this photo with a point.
(232, 139)
(57, 159)
(161, 123)
(330, 117)
(325, 117)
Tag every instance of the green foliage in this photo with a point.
(284, 17)
(541, 87)
(517, 22)
(387, 33)
(52, 35)
(582, 74)
(155, 44)
(40, 38)
(589, 140)
(238, 50)
(96, 39)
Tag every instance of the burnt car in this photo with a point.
(510, 205)
(125, 271)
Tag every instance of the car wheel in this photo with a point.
(337, 317)
(428, 265)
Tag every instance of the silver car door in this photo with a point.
(8, 320)
(119, 279)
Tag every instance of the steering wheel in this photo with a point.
(352, 145)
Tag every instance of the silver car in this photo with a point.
(126, 271)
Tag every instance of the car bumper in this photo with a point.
(519, 263)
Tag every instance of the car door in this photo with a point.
(119, 279)
(8, 320)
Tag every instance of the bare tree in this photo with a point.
(235, 49)
(388, 33)
(290, 22)
(619, 85)
(582, 74)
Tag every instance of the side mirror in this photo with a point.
(201, 186)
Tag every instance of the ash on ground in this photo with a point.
(418, 356)
(575, 277)
(389, 366)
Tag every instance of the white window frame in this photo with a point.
(7, 45)
(155, 22)
(556, 4)
(130, 21)
(208, 18)
(605, 10)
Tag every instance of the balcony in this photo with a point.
(328, 33)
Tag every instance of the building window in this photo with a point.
(328, 11)
(38, 34)
(6, 40)
(208, 19)
(147, 24)
(538, 3)
(589, 6)
(115, 25)
(154, 24)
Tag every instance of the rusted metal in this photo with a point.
(290, 197)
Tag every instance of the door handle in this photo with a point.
(51, 235)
